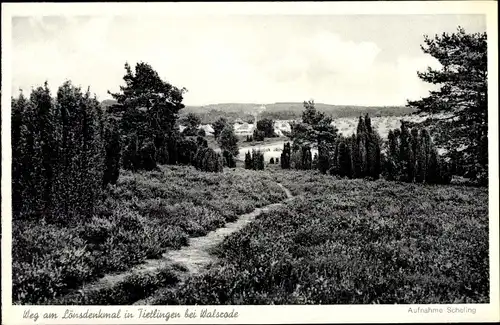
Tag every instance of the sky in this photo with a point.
(344, 60)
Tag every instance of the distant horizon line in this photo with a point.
(280, 102)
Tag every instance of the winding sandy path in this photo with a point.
(195, 256)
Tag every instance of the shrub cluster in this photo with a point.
(228, 159)
(412, 157)
(258, 135)
(254, 160)
(301, 158)
(186, 149)
(265, 128)
(286, 156)
(305, 252)
(134, 287)
(357, 156)
(207, 160)
(314, 164)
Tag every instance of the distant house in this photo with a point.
(239, 121)
(243, 129)
(280, 127)
(279, 133)
(208, 128)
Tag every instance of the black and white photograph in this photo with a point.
(259, 159)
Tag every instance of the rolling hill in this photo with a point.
(284, 110)
(296, 108)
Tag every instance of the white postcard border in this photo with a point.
(259, 314)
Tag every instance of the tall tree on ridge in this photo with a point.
(316, 130)
(228, 141)
(148, 107)
(218, 126)
(462, 100)
(193, 121)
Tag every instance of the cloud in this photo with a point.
(62, 49)
(224, 60)
(410, 84)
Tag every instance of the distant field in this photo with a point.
(212, 143)
(353, 242)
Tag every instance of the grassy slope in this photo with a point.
(144, 215)
(353, 242)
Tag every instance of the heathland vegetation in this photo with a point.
(143, 215)
(101, 188)
(352, 242)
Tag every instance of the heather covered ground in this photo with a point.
(352, 242)
(144, 214)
